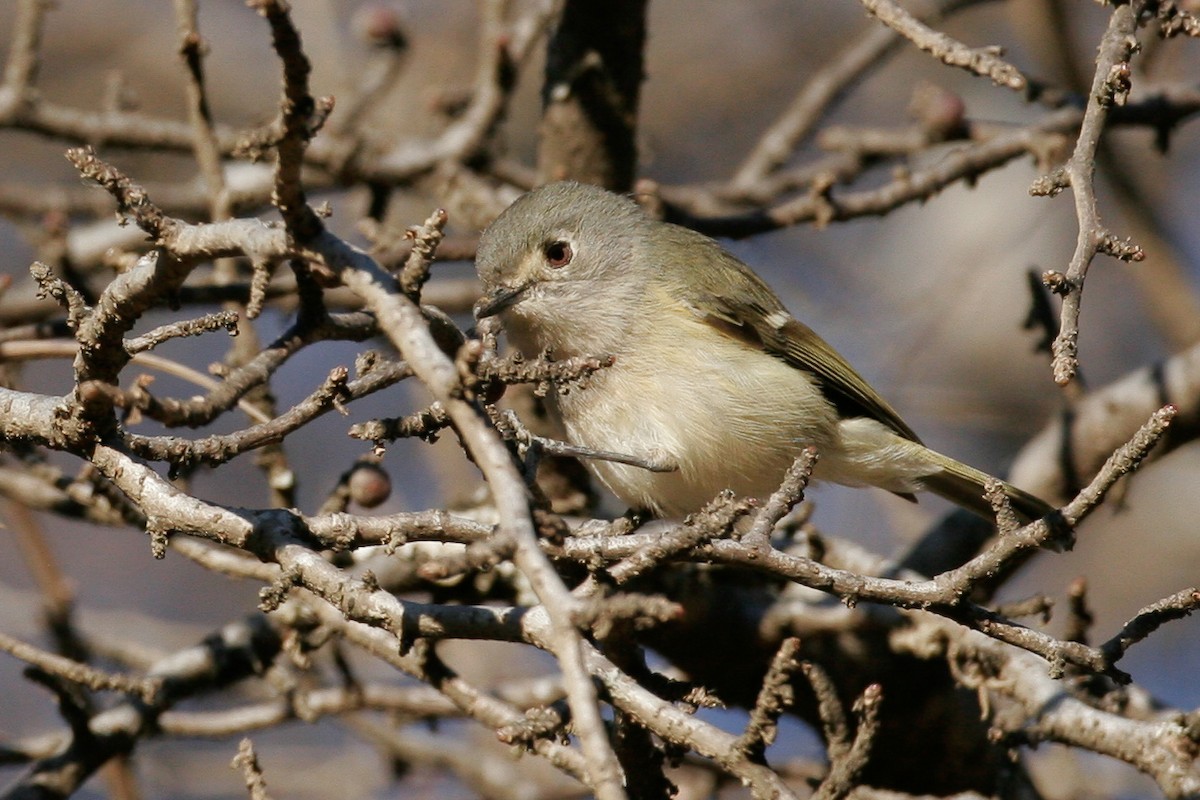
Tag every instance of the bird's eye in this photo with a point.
(558, 254)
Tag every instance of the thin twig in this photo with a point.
(76, 672)
(985, 62)
(774, 698)
(1110, 85)
(247, 761)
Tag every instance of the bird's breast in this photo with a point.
(725, 415)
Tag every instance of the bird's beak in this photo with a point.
(499, 299)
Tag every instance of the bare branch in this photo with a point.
(985, 62)
(247, 761)
(1110, 87)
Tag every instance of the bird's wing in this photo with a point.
(787, 338)
(728, 295)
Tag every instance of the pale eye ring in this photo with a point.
(558, 253)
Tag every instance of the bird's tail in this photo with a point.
(966, 487)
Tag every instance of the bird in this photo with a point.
(713, 384)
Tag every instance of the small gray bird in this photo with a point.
(713, 381)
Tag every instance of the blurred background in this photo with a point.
(928, 302)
